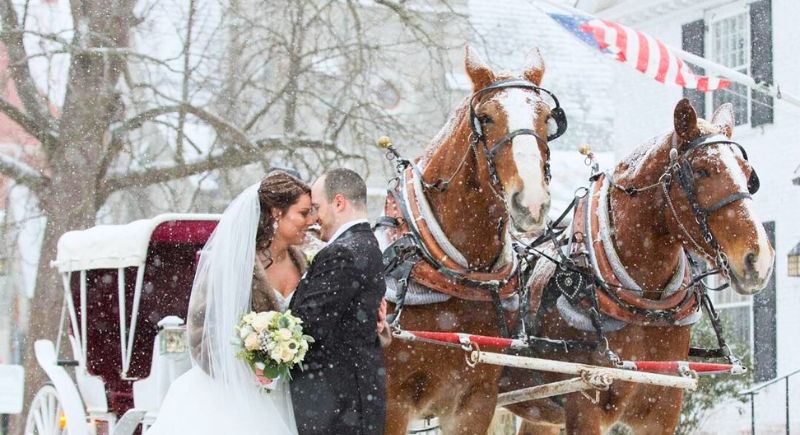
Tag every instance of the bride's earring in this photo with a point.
(275, 226)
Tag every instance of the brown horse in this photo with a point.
(637, 227)
(487, 169)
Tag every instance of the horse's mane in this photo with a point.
(445, 132)
(629, 168)
(452, 122)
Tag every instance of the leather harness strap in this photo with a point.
(439, 272)
(616, 301)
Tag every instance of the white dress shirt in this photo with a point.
(346, 226)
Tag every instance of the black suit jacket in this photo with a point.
(342, 387)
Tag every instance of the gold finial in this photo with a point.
(384, 142)
(585, 149)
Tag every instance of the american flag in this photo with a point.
(637, 49)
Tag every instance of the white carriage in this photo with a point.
(126, 297)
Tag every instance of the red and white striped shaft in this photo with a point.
(461, 339)
(679, 367)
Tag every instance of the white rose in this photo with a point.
(275, 354)
(248, 318)
(251, 342)
(245, 331)
(261, 321)
(283, 334)
(287, 354)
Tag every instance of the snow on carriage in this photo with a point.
(126, 297)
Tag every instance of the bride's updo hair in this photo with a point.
(278, 190)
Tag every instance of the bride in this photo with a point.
(250, 263)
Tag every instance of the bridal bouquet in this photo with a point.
(271, 344)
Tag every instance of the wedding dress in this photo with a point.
(196, 405)
(227, 401)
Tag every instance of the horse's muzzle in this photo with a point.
(525, 221)
(752, 277)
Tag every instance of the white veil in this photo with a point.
(220, 297)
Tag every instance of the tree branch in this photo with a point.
(27, 123)
(22, 173)
(234, 134)
(35, 104)
(229, 158)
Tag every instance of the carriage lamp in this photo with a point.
(794, 261)
(172, 337)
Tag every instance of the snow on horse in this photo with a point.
(451, 266)
(686, 192)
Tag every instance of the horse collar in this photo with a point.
(432, 260)
(424, 213)
(618, 295)
(602, 236)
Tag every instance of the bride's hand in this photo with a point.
(263, 380)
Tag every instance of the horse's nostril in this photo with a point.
(750, 260)
(515, 201)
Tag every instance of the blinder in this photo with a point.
(753, 183)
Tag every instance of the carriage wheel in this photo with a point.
(45, 416)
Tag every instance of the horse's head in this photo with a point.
(512, 122)
(712, 184)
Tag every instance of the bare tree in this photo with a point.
(298, 82)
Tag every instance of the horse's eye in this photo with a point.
(701, 173)
(485, 119)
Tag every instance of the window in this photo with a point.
(388, 95)
(736, 313)
(729, 45)
(739, 36)
(794, 261)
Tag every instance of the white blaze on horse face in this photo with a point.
(765, 257)
(521, 110)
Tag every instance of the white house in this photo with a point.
(758, 38)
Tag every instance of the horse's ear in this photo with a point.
(685, 119)
(478, 71)
(723, 119)
(535, 65)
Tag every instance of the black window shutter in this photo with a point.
(761, 59)
(765, 343)
(693, 41)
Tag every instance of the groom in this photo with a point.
(342, 387)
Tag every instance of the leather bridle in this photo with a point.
(477, 137)
(680, 168)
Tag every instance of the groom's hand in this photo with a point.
(381, 316)
(384, 335)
